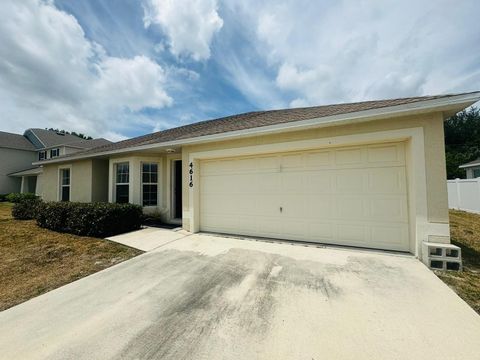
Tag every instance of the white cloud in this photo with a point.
(334, 51)
(51, 75)
(189, 25)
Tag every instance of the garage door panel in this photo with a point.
(349, 156)
(321, 207)
(351, 207)
(350, 196)
(321, 231)
(387, 155)
(319, 182)
(292, 183)
(393, 209)
(318, 160)
(350, 181)
(268, 183)
(387, 180)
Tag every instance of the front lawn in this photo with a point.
(465, 232)
(35, 260)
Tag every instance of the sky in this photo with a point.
(123, 68)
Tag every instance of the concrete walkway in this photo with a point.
(149, 238)
(212, 297)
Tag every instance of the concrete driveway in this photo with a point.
(209, 297)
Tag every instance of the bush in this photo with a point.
(26, 209)
(17, 197)
(89, 219)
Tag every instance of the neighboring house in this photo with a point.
(18, 152)
(369, 174)
(472, 168)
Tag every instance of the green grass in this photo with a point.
(465, 233)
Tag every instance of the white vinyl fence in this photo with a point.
(464, 194)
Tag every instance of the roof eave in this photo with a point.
(465, 166)
(453, 103)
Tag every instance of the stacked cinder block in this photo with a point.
(439, 256)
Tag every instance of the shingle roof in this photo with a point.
(88, 144)
(51, 138)
(251, 120)
(15, 141)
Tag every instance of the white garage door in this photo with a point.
(350, 196)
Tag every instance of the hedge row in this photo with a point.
(86, 219)
(26, 209)
(18, 197)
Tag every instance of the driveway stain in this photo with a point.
(234, 290)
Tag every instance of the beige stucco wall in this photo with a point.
(432, 124)
(80, 181)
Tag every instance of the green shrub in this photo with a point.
(89, 219)
(26, 209)
(18, 197)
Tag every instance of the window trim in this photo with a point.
(148, 183)
(59, 182)
(115, 183)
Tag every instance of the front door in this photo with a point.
(177, 189)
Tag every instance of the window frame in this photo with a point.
(116, 183)
(61, 186)
(44, 153)
(150, 183)
(57, 151)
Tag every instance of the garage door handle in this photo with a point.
(281, 209)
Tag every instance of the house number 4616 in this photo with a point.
(190, 172)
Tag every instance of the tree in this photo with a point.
(462, 141)
(80, 135)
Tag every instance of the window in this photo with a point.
(476, 173)
(122, 183)
(65, 184)
(149, 184)
(54, 152)
(42, 155)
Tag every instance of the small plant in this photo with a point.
(89, 219)
(18, 197)
(26, 209)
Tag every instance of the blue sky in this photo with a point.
(124, 68)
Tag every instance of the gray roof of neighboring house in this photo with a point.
(15, 141)
(471, 164)
(251, 120)
(49, 138)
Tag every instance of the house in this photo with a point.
(472, 168)
(18, 152)
(368, 174)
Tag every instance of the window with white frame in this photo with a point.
(122, 182)
(65, 184)
(149, 184)
(54, 152)
(42, 155)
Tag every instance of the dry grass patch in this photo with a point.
(35, 260)
(465, 232)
